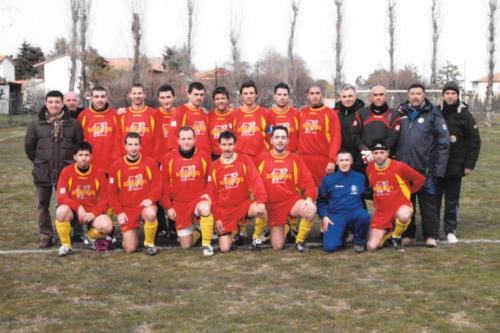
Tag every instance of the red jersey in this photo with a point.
(131, 183)
(319, 132)
(289, 119)
(166, 132)
(284, 176)
(184, 179)
(250, 129)
(198, 120)
(218, 123)
(232, 183)
(393, 185)
(99, 129)
(139, 121)
(87, 189)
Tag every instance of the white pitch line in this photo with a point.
(244, 248)
(11, 137)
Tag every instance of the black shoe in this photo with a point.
(398, 244)
(45, 242)
(359, 248)
(301, 247)
(240, 239)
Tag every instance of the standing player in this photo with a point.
(137, 118)
(232, 183)
(135, 187)
(193, 114)
(184, 195)
(99, 125)
(81, 194)
(250, 123)
(165, 122)
(392, 183)
(319, 135)
(220, 119)
(281, 114)
(284, 175)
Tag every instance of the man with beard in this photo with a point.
(464, 151)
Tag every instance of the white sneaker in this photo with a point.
(64, 251)
(452, 238)
(208, 251)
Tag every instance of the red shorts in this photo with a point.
(385, 219)
(185, 213)
(231, 215)
(316, 165)
(278, 212)
(133, 219)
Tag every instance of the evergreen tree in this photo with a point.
(27, 56)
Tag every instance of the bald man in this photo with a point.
(376, 122)
(71, 102)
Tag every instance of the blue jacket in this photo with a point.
(424, 140)
(341, 193)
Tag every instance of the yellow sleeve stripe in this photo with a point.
(70, 184)
(404, 188)
(152, 123)
(244, 170)
(170, 167)
(261, 167)
(119, 179)
(327, 128)
(84, 120)
(149, 172)
(97, 185)
(204, 164)
(296, 174)
(214, 177)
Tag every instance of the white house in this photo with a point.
(57, 72)
(7, 68)
(479, 86)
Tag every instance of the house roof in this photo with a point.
(212, 73)
(126, 64)
(496, 78)
(50, 60)
(4, 56)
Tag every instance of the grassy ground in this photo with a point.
(449, 289)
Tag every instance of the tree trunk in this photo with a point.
(338, 45)
(492, 13)
(292, 73)
(75, 10)
(84, 12)
(435, 39)
(391, 7)
(136, 33)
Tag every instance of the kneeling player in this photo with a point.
(135, 187)
(184, 195)
(81, 193)
(392, 182)
(232, 181)
(284, 174)
(341, 207)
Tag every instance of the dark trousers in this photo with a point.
(43, 195)
(449, 187)
(357, 221)
(428, 213)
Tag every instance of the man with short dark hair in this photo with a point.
(220, 119)
(464, 152)
(166, 119)
(50, 142)
(424, 143)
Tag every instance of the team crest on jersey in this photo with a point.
(135, 182)
(187, 172)
(311, 126)
(279, 175)
(199, 127)
(218, 129)
(138, 127)
(382, 188)
(354, 190)
(231, 180)
(100, 129)
(83, 192)
(165, 129)
(248, 128)
(397, 127)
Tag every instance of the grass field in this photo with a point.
(449, 289)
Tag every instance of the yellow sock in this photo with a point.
(150, 232)
(399, 228)
(260, 225)
(287, 229)
(63, 229)
(243, 227)
(304, 230)
(195, 237)
(207, 229)
(94, 234)
(234, 233)
(384, 239)
(110, 213)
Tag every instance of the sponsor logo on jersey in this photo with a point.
(231, 180)
(311, 126)
(279, 175)
(135, 182)
(200, 127)
(218, 129)
(100, 129)
(248, 128)
(382, 188)
(138, 127)
(83, 191)
(187, 173)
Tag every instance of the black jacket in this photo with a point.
(346, 118)
(48, 156)
(464, 138)
(424, 140)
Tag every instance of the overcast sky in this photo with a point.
(265, 25)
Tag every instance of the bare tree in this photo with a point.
(234, 39)
(137, 36)
(84, 23)
(189, 42)
(292, 72)
(75, 14)
(391, 11)
(435, 13)
(338, 44)
(492, 26)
